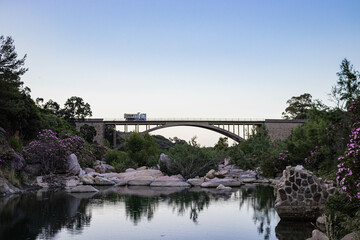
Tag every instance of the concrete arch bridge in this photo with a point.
(236, 129)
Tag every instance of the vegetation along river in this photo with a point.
(147, 213)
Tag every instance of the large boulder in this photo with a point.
(72, 165)
(195, 181)
(103, 181)
(318, 235)
(87, 179)
(172, 181)
(300, 194)
(83, 189)
(104, 168)
(6, 188)
(210, 174)
(215, 182)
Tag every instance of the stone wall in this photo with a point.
(301, 195)
(281, 129)
(99, 126)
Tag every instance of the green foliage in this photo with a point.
(347, 89)
(15, 178)
(56, 124)
(343, 215)
(88, 132)
(142, 150)
(75, 109)
(119, 160)
(15, 143)
(191, 160)
(298, 107)
(222, 144)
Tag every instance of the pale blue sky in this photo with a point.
(230, 59)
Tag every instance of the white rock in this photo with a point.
(224, 181)
(82, 189)
(87, 179)
(223, 188)
(103, 181)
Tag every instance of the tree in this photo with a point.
(298, 107)
(18, 112)
(75, 109)
(222, 144)
(88, 132)
(11, 68)
(348, 86)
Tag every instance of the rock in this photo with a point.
(320, 223)
(17, 161)
(221, 174)
(6, 188)
(350, 236)
(89, 170)
(83, 189)
(248, 180)
(118, 182)
(164, 160)
(72, 165)
(223, 188)
(129, 170)
(299, 168)
(87, 180)
(317, 235)
(210, 174)
(227, 161)
(104, 168)
(71, 181)
(169, 181)
(41, 182)
(142, 168)
(141, 181)
(195, 181)
(103, 181)
(215, 182)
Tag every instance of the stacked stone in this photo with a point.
(300, 194)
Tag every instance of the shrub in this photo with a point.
(142, 150)
(52, 151)
(119, 160)
(348, 175)
(15, 144)
(190, 160)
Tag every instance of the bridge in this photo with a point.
(236, 129)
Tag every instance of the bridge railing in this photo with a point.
(191, 119)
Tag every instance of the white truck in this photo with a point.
(135, 117)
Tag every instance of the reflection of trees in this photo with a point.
(136, 207)
(29, 216)
(261, 200)
(195, 201)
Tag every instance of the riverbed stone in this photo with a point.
(221, 174)
(87, 179)
(195, 181)
(6, 188)
(82, 189)
(318, 235)
(215, 182)
(223, 188)
(210, 174)
(103, 181)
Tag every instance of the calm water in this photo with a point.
(147, 213)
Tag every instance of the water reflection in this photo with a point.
(43, 214)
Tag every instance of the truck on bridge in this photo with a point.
(135, 117)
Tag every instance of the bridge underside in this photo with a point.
(224, 132)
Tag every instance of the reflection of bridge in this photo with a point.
(236, 129)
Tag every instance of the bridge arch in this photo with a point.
(200, 125)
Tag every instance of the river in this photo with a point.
(147, 213)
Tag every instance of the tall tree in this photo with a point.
(298, 107)
(75, 109)
(18, 112)
(347, 89)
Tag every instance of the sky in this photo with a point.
(184, 58)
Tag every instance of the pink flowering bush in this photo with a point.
(52, 151)
(348, 175)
